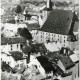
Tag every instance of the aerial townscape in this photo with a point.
(39, 39)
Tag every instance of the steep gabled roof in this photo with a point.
(45, 63)
(58, 21)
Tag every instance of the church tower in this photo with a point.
(45, 12)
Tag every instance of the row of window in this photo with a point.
(17, 46)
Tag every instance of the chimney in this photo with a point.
(68, 52)
(64, 51)
(28, 59)
(48, 3)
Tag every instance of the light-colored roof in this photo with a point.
(14, 27)
(8, 33)
(52, 46)
(74, 58)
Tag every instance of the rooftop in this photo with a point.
(66, 60)
(74, 58)
(45, 63)
(53, 56)
(15, 40)
(58, 21)
(17, 55)
(38, 48)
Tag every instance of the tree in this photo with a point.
(18, 9)
(24, 32)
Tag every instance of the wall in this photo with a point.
(67, 78)
(41, 37)
(11, 47)
(75, 71)
(40, 68)
(61, 66)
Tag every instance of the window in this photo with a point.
(75, 75)
(41, 36)
(41, 39)
(11, 47)
(35, 66)
(21, 46)
(64, 41)
(17, 45)
(58, 39)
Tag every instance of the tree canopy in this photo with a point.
(24, 32)
(26, 49)
(18, 9)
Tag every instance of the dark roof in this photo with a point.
(53, 56)
(45, 63)
(67, 49)
(34, 48)
(5, 41)
(26, 49)
(38, 48)
(58, 21)
(33, 26)
(6, 67)
(65, 59)
(17, 55)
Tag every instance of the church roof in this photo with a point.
(58, 21)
